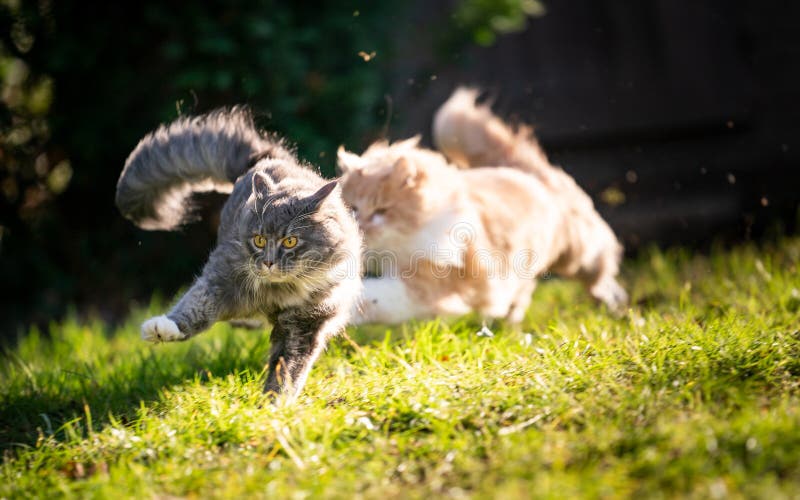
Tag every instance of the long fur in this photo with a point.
(472, 136)
(305, 290)
(448, 241)
(189, 155)
(498, 201)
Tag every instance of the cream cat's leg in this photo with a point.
(607, 290)
(386, 300)
(600, 279)
(522, 301)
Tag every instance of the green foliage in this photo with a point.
(82, 82)
(693, 392)
(483, 20)
(30, 174)
(298, 66)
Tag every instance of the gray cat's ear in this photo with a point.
(315, 201)
(347, 162)
(262, 185)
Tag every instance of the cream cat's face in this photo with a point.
(389, 200)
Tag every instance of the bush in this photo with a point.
(82, 82)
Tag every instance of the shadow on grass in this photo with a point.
(120, 382)
(48, 399)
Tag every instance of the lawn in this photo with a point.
(696, 391)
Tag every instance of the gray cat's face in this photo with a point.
(285, 236)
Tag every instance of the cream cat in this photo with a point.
(447, 241)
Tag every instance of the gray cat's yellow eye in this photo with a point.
(259, 241)
(289, 242)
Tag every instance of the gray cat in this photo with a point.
(287, 247)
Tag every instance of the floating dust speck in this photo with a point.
(731, 179)
(730, 124)
(366, 56)
(631, 176)
(613, 196)
(764, 201)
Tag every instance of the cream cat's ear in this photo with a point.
(348, 162)
(406, 174)
(410, 143)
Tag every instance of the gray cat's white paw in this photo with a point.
(161, 329)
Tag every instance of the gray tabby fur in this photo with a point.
(305, 292)
(202, 153)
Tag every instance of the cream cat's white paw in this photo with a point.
(161, 329)
(611, 294)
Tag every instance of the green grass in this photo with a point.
(695, 392)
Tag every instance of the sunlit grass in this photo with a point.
(695, 391)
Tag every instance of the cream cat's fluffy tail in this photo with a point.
(192, 154)
(472, 136)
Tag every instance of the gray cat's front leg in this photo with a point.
(196, 311)
(298, 337)
(200, 307)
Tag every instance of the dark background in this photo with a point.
(680, 117)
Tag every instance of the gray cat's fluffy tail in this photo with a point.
(192, 154)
